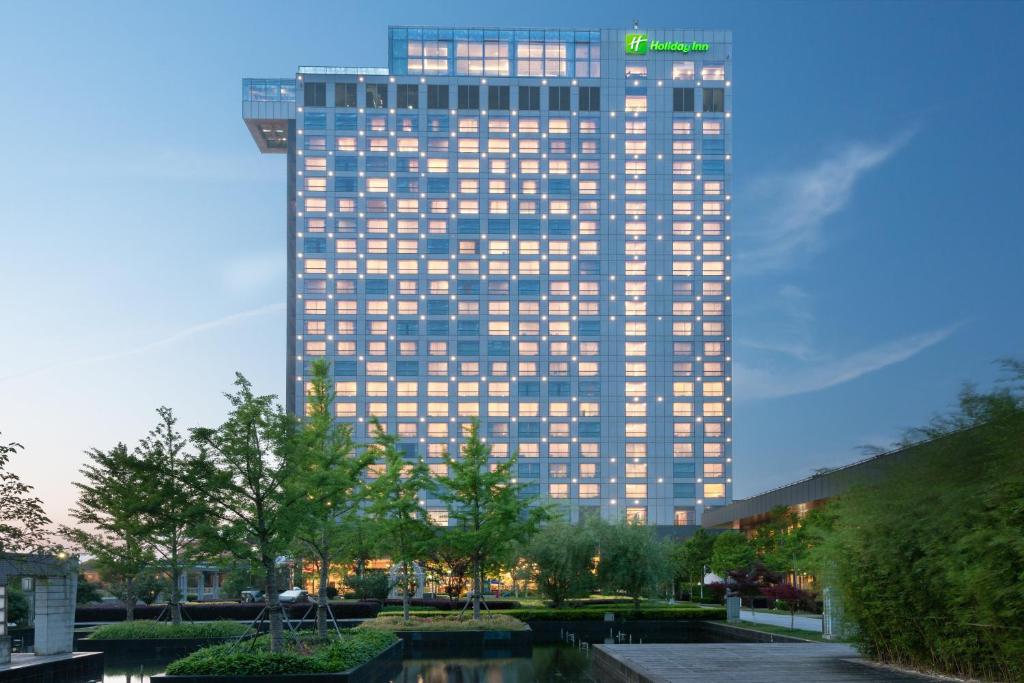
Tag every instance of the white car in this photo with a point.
(292, 596)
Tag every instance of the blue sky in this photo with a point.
(877, 218)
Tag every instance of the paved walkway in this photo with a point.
(804, 623)
(739, 663)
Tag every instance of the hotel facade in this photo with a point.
(526, 226)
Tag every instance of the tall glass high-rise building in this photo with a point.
(527, 226)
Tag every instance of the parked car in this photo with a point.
(252, 595)
(293, 595)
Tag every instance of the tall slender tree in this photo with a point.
(395, 504)
(488, 512)
(109, 511)
(23, 522)
(324, 481)
(246, 473)
(174, 508)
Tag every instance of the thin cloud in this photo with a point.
(174, 338)
(759, 383)
(795, 205)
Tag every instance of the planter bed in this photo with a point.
(149, 647)
(381, 668)
(356, 656)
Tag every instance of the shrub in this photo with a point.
(221, 610)
(644, 613)
(927, 558)
(444, 622)
(445, 604)
(370, 586)
(306, 656)
(150, 630)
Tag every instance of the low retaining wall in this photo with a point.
(749, 635)
(487, 644)
(378, 670)
(69, 668)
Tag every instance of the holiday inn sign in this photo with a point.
(637, 44)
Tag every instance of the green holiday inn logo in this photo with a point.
(638, 44)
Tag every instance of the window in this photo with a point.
(315, 95)
(529, 98)
(682, 99)
(683, 517)
(408, 96)
(682, 71)
(590, 99)
(558, 98)
(498, 97)
(345, 95)
(376, 95)
(469, 97)
(437, 97)
(713, 72)
(714, 99)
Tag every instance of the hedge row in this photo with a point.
(223, 610)
(597, 614)
(446, 604)
(152, 630)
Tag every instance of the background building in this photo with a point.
(527, 226)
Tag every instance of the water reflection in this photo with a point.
(549, 663)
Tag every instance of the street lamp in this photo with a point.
(703, 574)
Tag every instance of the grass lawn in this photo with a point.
(783, 631)
(443, 622)
(153, 630)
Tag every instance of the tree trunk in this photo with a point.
(273, 607)
(321, 600)
(175, 602)
(478, 587)
(129, 605)
(406, 600)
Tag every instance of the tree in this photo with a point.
(87, 592)
(446, 561)
(563, 556)
(108, 512)
(488, 513)
(23, 522)
(174, 509)
(395, 504)
(632, 559)
(692, 556)
(928, 559)
(245, 471)
(789, 594)
(324, 481)
(730, 551)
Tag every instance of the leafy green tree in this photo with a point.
(87, 592)
(731, 551)
(489, 516)
(692, 555)
(395, 504)
(23, 522)
(929, 557)
(246, 471)
(563, 556)
(108, 512)
(632, 559)
(324, 481)
(174, 509)
(447, 563)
